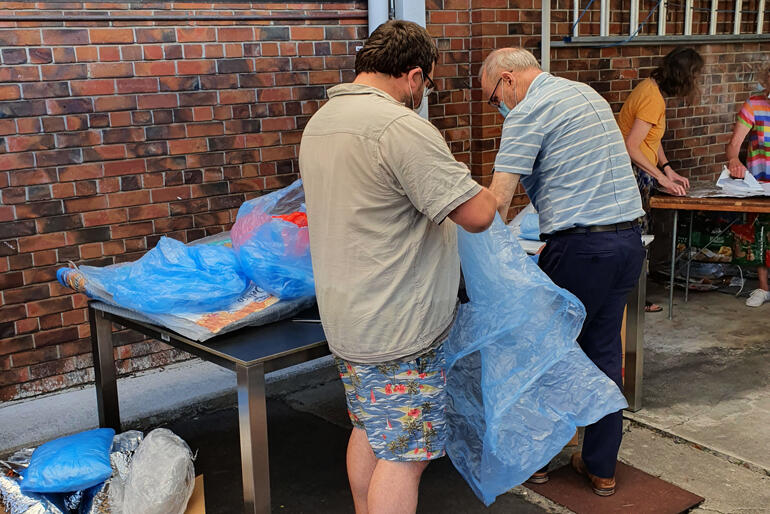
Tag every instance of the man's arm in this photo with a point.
(476, 215)
(503, 186)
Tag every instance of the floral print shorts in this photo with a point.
(400, 405)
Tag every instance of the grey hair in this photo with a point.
(764, 76)
(508, 59)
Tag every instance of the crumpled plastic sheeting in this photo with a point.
(518, 383)
(160, 479)
(174, 277)
(274, 252)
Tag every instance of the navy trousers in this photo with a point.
(601, 269)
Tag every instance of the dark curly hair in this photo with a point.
(678, 74)
(395, 47)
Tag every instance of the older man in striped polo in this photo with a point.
(561, 140)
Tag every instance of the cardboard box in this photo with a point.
(197, 503)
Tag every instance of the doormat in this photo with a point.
(636, 491)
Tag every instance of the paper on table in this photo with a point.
(748, 186)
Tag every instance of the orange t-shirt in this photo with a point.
(646, 103)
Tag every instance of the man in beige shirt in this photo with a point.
(380, 183)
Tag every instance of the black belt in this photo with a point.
(615, 227)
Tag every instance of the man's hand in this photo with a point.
(737, 169)
(671, 187)
(676, 178)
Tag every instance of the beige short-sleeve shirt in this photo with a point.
(379, 182)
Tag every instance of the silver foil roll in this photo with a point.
(16, 502)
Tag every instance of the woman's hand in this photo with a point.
(671, 187)
(676, 178)
(736, 167)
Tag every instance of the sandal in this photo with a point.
(652, 307)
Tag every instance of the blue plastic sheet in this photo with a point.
(173, 277)
(274, 251)
(530, 227)
(71, 463)
(517, 381)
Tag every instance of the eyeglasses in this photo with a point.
(431, 85)
(493, 101)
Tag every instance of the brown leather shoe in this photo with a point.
(601, 486)
(540, 477)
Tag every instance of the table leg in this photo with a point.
(104, 370)
(673, 267)
(252, 421)
(632, 381)
(689, 258)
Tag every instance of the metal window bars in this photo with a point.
(689, 7)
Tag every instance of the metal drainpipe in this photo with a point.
(545, 36)
(413, 10)
(379, 13)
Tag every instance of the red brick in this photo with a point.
(157, 101)
(16, 161)
(155, 35)
(20, 74)
(53, 305)
(132, 230)
(104, 70)
(9, 92)
(113, 247)
(28, 125)
(65, 37)
(26, 143)
(81, 172)
(109, 53)
(78, 139)
(24, 326)
(86, 54)
(148, 212)
(65, 190)
(111, 35)
(237, 97)
(91, 250)
(129, 198)
(196, 67)
(91, 203)
(184, 146)
(11, 313)
(35, 356)
(154, 69)
(185, 35)
(43, 242)
(235, 34)
(170, 194)
(205, 129)
(115, 168)
(16, 37)
(61, 335)
(26, 294)
(104, 217)
(92, 87)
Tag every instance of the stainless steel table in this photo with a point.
(250, 352)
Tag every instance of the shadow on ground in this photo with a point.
(307, 473)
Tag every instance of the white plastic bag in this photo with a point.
(161, 477)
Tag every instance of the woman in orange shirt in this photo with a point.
(642, 120)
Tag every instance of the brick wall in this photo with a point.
(114, 133)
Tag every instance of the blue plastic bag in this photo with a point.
(173, 277)
(518, 383)
(71, 463)
(270, 237)
(530, 227)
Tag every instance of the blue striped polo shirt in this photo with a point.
(564, 141)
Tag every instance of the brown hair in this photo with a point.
(395, 47)
(678, 74)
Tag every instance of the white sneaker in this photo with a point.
(758, 297)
